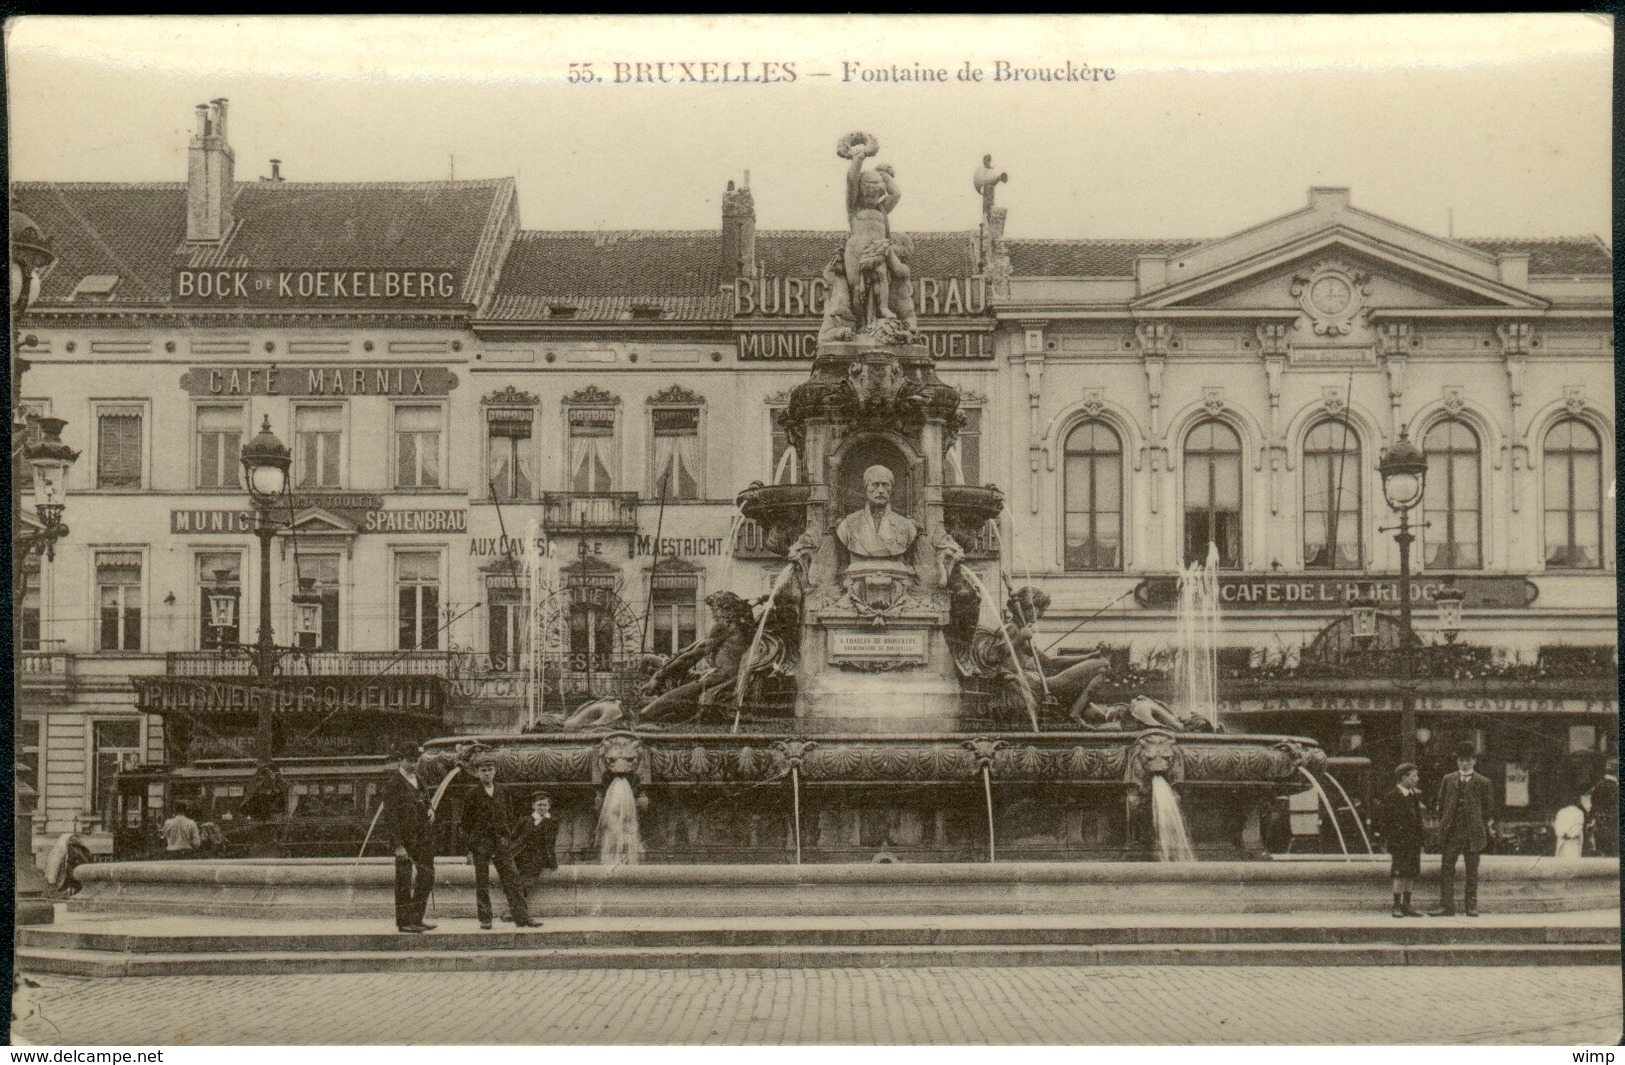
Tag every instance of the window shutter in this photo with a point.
(118, 448)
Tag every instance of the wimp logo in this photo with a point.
(1601, 1057)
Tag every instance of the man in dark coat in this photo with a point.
(1399, 819)
(408, 821)
(487, 836)
(1465, 820)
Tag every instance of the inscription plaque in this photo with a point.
(879, 644)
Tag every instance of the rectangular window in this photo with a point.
(507, 632)
(417, 594)
(508, 470)
(970, 445)
(30, 620)
(675, 618)
(417, 447)
(28, 764)
(118, 446)
(592, 449)
(219, 573)
(118, 584)
(117, 746)
(318, 435)
(676, 453)
(325, 570)
(219, 446)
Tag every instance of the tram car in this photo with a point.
(324, 808)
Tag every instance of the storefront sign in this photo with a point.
(375, 520)
(1393, 703)
(510, 687)
(299, 381)
(507, 546)
(1239, 592)
(765, 345)
(803, 297)
(239, 286)
(680, 546)
(317, 695)
(847, 643)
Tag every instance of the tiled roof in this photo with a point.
(1086, 258)
(1552, 256)
(608, 308)
(139, 231)
(124, 229)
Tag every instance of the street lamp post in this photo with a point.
(1404, 472)
(265, 468)
(49, 460)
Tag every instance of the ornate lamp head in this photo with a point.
(1404, 472)
(265, 466)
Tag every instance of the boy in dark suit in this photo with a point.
(1465, 820)
(535, 841)
(487, 838)
(408, 824)
(1399, 818)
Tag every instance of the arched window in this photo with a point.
(1093, 487)
(1331, 497)
(1213, 493)
(1453, 510)
(1573, 493)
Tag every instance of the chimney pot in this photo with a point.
(210, 177)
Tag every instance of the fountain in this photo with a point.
(876, 702)
(874, 735)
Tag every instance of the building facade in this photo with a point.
(515, 455)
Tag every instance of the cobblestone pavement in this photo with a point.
(1129, 1005)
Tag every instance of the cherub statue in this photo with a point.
(870, 197)
(838, 322)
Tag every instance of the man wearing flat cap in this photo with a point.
(1466, 817)
(487, 836)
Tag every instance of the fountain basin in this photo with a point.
(904, 797)
(780, 509)
(323, 888)
(967, 508)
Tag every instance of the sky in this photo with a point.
(1484, 125)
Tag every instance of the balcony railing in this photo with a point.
(47, 673)
(751, 543)
(590, 511)
(318, 664)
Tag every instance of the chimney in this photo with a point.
(738, 231)
(276, 170)
(210, 176)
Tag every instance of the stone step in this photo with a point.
(172, 937)
(96, 963)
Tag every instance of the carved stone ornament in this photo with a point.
(1272, 337)
(1213, 400)
(1094, 401)
(874, 665)
(1156, 338)
(619, 755)
(1333, 398)
(1574, 399)
(1155, 753)
(1454, 399)
(1333, 296)
(1516, 337)
(510, 397)
(676, 396)
(589, 395)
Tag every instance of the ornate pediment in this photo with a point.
(591, 395)
(676, 396)
(510, 397)
(319, 522)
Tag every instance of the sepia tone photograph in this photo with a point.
(793, 531)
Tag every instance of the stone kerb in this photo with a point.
(315, 888)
